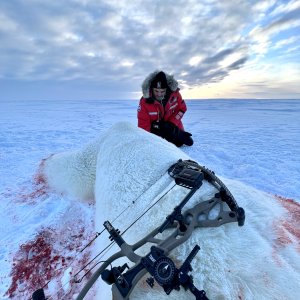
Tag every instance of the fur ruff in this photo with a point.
(172, 83)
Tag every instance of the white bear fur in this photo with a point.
(128, 164)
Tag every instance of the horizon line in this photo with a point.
(186, 99)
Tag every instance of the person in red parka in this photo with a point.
(161, 109)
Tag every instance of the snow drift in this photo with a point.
(124, 171)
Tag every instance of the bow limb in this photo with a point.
(197, 216)
(97, 274)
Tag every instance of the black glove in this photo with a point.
(175, 135)
(185, 137)
(157, 128)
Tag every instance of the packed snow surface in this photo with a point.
(68, 166)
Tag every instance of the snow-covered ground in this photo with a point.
(256, 143)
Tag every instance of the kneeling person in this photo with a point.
(161, 109)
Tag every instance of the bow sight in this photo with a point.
(180, 224)
(157, 264)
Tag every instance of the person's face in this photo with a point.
(159, 94)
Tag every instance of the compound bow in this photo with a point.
(157, 263)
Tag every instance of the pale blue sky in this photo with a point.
(103, 49)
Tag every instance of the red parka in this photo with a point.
(151, 110)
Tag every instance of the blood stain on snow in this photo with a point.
(32, 264)
(39, 261)
(39, 185)
(287, 229)
(40, 176)
(30, 196)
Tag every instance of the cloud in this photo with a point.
(282, 18)
(118, 42)
(284, 42)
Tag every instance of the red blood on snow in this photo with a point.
(34, 264)
(39, 186)
(287, 229)
(40, 260)
(291, 225)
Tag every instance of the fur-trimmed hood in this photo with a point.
(172, 83)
